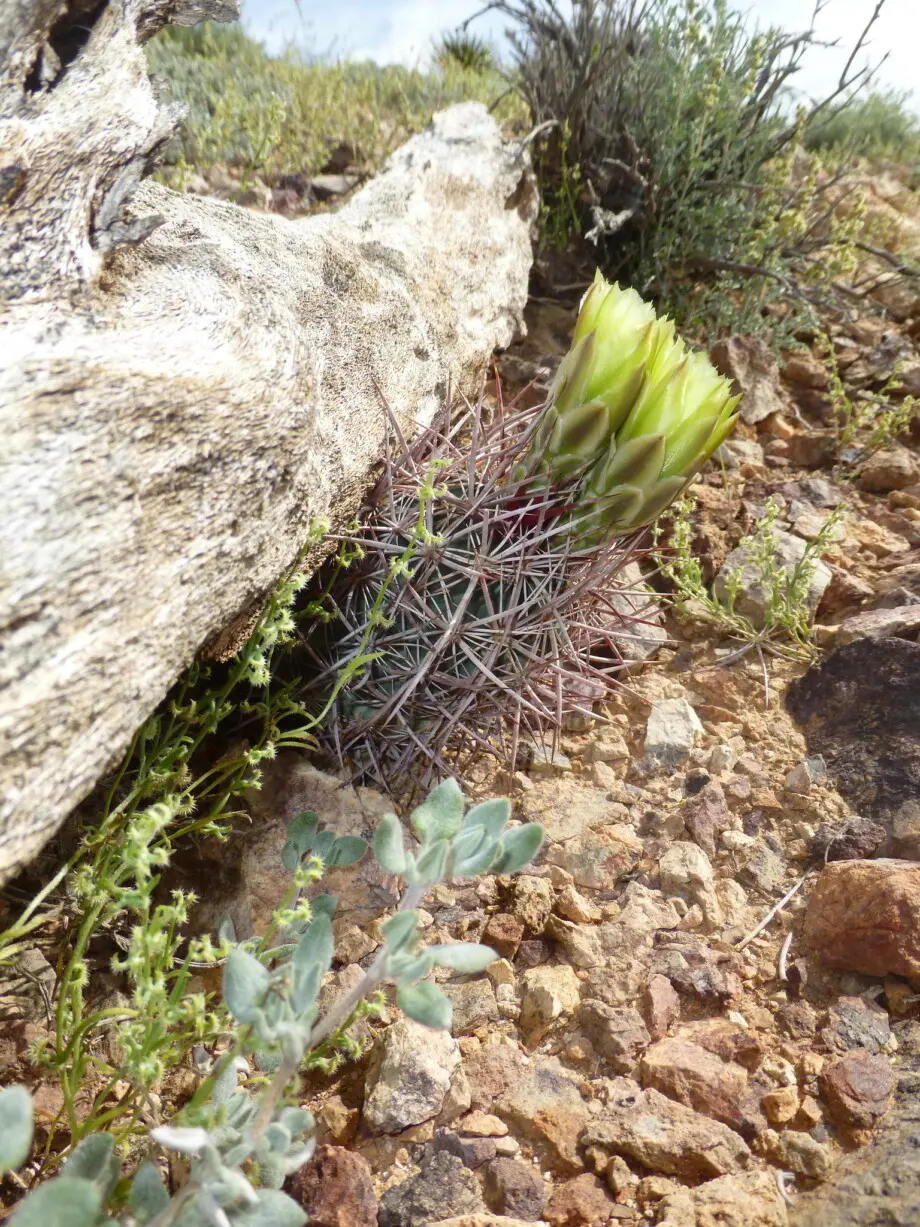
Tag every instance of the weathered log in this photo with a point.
(185, 385)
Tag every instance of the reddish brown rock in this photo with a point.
(865, 916)
(726, 1040)
(803, 367)
(335, 1189)
(545, 1107)
(491, 1071)
(660, 1006)
(582, 1202)
(750, 364)
(700, 1080)
(706, 815)
(858, 1089)
(503, 933)
(843, 592)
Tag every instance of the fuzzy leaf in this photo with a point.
(301, 833)
(15, 1128)
(472, 852)
(389, 851)
(465, 957)
(322, 845)
(323, 905)
(407, 968)
(520, 846)
(430, 865)
(492, 815)
(440, 816)
(399, 930)
(311, 962)
(347, 850)
(187, 1139)
(425, 1003)
(245, 985)
(148, 1196)
(226, 931)
(65, 1201)
(94, 1159)
(273, 1209)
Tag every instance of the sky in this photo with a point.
(402, 31)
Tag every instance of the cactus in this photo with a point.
(479, 610)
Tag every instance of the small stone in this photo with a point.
(664, 1136)
(902, 622)
(694, 1077)
(620, 1179)
(856, 1023)
(545, 1107)
(806, 773)
(339, 1121)
(353, 944)
(515, 1188)
(607, 747)
(617, 1033)
(472, 1152)
(596, 859)
(501, 973)
(482, 1125)
(546, 759)
(797, 1019)
(503, 932)
(335, 1188)
(753, 598)
(491, 1071)
(686, 871)
(721, 758)
(707, 815)
(876, 539)
(533, 901)
(892, 468)
(865, 916)
(442, 1189)
(409, 1076)
(582, 1202)
(574, 906)
(781, 1105)
(660, 1006)
(531, 953)
(748, 1200)
(549, 993)
(700, 972)
(671, 732)
(751, 365)
(473, 1004)
(796, 1152)
(804, 367)
(858, 1089)
(857, 838)
(763, 869)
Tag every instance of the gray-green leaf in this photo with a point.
(15, 1128)
(465, 957)
(299, 838)
(430, 864)
(311, 962)
(440, 816)
(148, 1196)
(425, 1003)
(399, 930)
(347, 850)
(389, 851)
(94, 1159)
(245, 985)
(274, 1209)
(492, 815)
(520, 846)
(65, 1201)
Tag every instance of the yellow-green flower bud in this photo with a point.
(633, 412)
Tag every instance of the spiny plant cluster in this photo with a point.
(480, 605)
(240, 1142)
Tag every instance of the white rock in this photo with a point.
(410, 1073)
(671, 732)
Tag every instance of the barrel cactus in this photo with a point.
(481, 608)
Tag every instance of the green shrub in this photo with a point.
(276, 114)
(880, 125)
(664, 140)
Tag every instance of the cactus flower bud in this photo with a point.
(633, 413)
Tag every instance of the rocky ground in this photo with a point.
(705, 1009)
